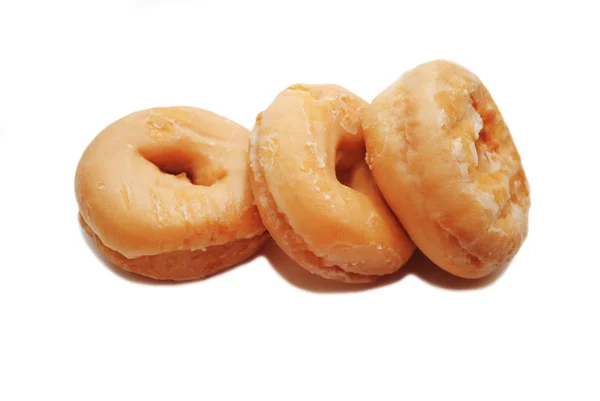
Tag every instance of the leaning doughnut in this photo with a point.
(165, 194)
(340, 232)
(446, 163)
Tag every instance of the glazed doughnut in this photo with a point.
(164, 193)
(446, 163)
(341, 232)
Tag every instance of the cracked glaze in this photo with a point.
(346, 233)
(446, 163)
(167, 179)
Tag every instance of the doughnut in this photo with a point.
(446, 163)
(164, 193)
(314, 191)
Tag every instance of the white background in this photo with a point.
(74, 328)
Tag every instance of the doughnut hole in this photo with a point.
(348, 154)
(343, 176)
(342, 148)
(185, 166)
(350, 148)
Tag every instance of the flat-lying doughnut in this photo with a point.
(341, 232)
(446, 163)
(165, 193)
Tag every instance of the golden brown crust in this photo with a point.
(183, 265)
(341, 233)
(446, 163)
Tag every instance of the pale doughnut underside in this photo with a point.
(446, 163)
(183, 265)
(294, 245)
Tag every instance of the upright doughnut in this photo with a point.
(164, 193)
(341, 231)
(446, 163)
